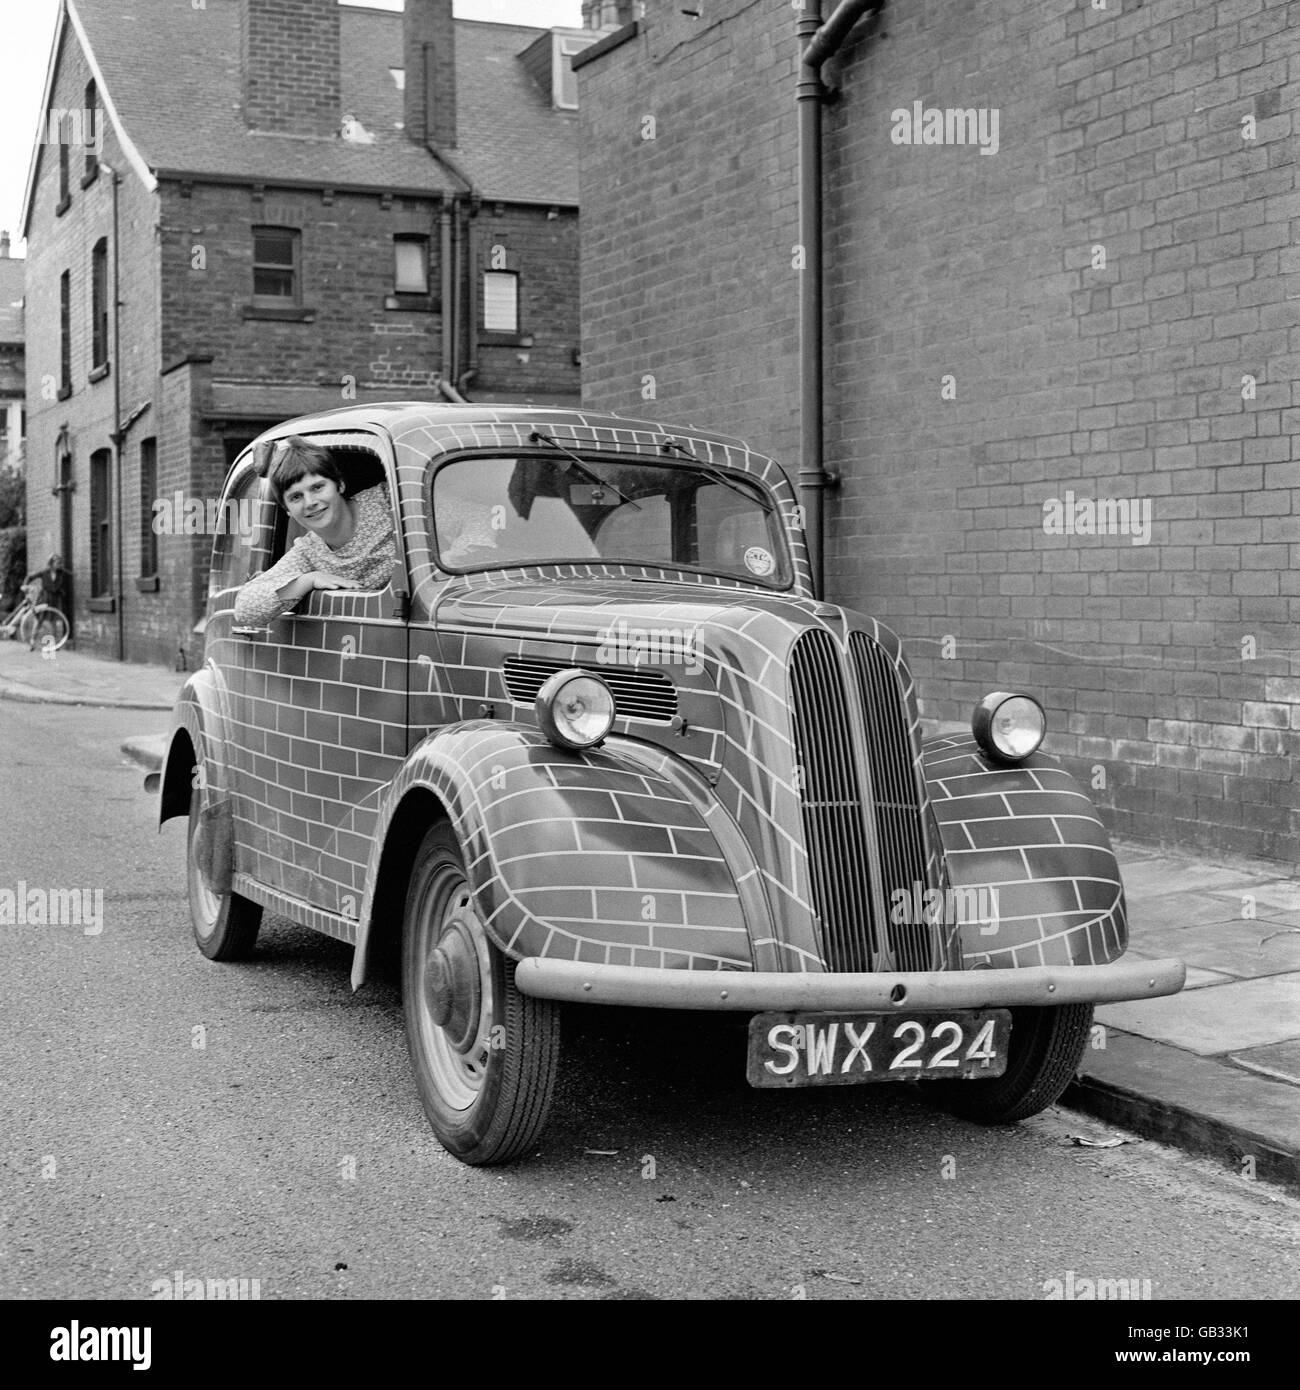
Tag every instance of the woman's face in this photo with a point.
(315, 502)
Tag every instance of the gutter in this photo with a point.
(818, 41)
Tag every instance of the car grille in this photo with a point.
(837, 823)
(639, 692)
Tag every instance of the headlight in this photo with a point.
(575, 708)
(1008, 726)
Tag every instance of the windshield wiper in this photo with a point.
(589, 473)
(715, 474)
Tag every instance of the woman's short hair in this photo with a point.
(294, 458)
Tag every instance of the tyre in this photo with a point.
(485, 1056)
(225, 924)
(45, 627)
(1045, 1050)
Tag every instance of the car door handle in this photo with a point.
(250, 631)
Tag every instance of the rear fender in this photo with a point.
(195, 758)
(594, 856)
(1026, 839)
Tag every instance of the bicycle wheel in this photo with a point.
(45, 627)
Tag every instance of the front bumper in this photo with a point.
(763, 991)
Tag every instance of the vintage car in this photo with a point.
(597, 741)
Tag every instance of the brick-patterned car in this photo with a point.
(597, 741)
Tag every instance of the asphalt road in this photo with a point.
(289, 1147)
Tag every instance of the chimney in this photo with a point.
(4, 246)
(609, 14)
(289, 63)
(429, 53)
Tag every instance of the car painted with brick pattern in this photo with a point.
(598, 741)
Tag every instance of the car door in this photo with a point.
(325, 714)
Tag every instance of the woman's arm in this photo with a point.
(268, 595)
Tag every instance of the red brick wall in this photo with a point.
(429, 22)
(1168, 669)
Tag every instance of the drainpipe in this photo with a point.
(118, 434)
(471, 294)
(817, 43)
(444, 238)
(451, 258)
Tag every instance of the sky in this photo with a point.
(29, 31)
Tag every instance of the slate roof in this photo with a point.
(11, 294)
(173, 73)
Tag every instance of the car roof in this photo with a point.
(398, 416)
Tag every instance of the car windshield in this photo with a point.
(492, 512)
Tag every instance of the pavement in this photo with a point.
(1214, 1069)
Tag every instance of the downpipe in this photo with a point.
(818, 41)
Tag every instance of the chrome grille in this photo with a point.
(899, 814)
(835, 829)
(639, 692)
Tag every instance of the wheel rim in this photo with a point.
(453, 988)
(207, 904)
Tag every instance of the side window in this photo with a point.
(232, 555)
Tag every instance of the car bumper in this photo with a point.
(762, 991)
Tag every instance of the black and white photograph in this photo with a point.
(648, 653)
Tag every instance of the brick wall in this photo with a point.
(543, 251)
(1168, 668)
(58, 243)
(429, 49)
(289, 60)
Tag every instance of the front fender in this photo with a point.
(602, 856)
(198, 724)
(1029, 833)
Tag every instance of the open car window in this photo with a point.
(526, 509)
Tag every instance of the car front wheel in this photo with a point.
(485, 1056)
(1046, 1047)
(225, 924)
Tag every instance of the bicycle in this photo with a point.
(36, 623)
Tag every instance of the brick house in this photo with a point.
(13, 382)
(302, 204)
(1103, 310)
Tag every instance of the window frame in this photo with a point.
(501, 335)
(101, 529)
(269, 301)
(65, 335)
(148, 496)
(90, 123)
(99, 322)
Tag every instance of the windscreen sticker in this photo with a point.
(759, 561)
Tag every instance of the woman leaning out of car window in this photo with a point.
(349, 541)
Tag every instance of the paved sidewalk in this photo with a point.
(1215, 1069)
(69, 678)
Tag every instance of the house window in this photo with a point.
(411, 265)
(99, 303)
(65, 192)
(148, 495)
(275, 267)
(500, 301)
(101, 528)
(90, 127)
(65, 335)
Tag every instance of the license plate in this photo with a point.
(834, 1049)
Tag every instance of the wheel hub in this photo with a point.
(452, 986)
